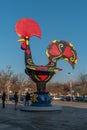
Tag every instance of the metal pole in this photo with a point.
(70, 83)
(71, 89)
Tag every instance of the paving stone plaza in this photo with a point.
(70, 118)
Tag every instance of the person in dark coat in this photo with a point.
(27, 99)
(3, 99)
(16, 100)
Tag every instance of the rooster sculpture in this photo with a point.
(57, 49)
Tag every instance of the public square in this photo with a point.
(72, 117)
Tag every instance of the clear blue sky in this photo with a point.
(58, 19)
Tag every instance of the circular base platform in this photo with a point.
(40, 108)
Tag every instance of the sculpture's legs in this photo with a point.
(41, 87)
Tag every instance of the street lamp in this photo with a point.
(70, 83)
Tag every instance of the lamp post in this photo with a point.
(70, 83)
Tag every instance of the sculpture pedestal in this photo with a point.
(40, 102)
(41, 99)
(40, 108)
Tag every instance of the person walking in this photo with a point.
(27, 99)
(16, 100)
(3, 99)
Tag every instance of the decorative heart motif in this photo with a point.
(54, 51)
(67, 52)
(43, 77)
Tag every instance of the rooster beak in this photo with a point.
(21, 40)
(25, 39)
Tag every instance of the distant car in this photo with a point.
(11, 97)
(68, 98)
(22, 97)
(56, 98)
(62, 98)
(79, 98)
(85, 99)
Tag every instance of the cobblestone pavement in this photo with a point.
(70, 118)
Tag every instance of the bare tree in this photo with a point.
(81, 85)
(83, 78)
